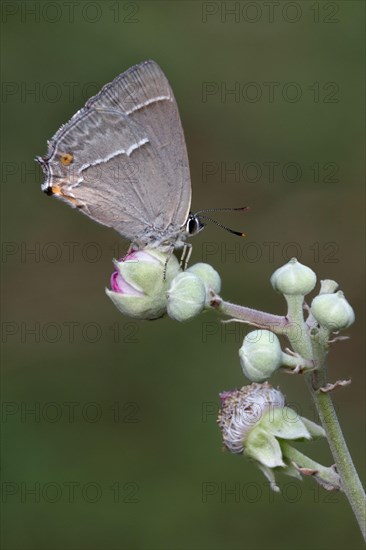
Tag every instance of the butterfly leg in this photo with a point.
(186, 254)
(170, 252)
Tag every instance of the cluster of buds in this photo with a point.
(331, 310)
(261, 354)
(149, 283)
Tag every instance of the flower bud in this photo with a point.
(294, 278)
(186, 297)
(260, 355)
(140, 283)
(209, 276)
(332, 311)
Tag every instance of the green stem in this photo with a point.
(299, 339)
(351, 483)
(276, 323)
(327, 477)
(317, 348)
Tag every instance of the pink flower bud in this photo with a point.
(140, 282)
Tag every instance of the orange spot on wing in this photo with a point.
(66, 159)
(57, 190)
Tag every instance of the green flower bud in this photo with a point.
(332, 311)
(261, 355)
(294, 278)
(209, 276)
(186, 297)
(140, 283)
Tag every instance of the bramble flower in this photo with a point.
(242, 409)
(254, 421)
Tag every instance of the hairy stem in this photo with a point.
(317, 347)
(351, 483)
(327, 477)
(276, 323)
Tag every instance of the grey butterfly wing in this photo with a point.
(122, 159)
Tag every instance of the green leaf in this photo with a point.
(284, 423)
(263, 447)
(315, 430)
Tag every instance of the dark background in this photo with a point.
(141, 449)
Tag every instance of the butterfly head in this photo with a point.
(193, 225)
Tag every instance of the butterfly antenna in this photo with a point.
(239, 233)
(242, 208)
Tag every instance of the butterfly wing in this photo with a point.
(122, 158)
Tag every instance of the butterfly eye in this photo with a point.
(193, 225)
(66, 159)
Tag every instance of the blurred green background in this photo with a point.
(122, 450)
